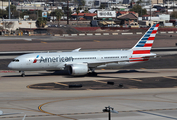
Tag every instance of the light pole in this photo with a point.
(109, 110)
(30, 28)
(2, 10)
(9, 9)
(67, 12)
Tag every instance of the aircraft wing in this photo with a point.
(144, 58)
(95, 64)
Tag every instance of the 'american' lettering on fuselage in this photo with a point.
(56, 59)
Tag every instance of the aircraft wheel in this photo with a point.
(92, 74)
(23, 75)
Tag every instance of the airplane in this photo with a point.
(79, 63)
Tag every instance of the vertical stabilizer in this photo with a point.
(144, 45)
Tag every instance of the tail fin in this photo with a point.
(144, 45)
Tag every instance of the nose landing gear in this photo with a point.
(22, 73)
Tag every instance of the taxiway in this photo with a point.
(134, 103)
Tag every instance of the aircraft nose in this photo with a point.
(10, 66)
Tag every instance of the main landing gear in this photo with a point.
(92, 73)
(22, 73)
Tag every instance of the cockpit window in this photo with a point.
(15, 60)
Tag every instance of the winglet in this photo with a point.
(76, 50)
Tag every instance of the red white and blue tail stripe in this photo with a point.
(144, 45)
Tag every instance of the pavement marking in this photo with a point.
(135, 80)
(82, 113)
(28, 39)
(170, 31)
(62, 115)
(127, 33)
(170, 77)
(40, 108)
(143, 111)
(73, 34)
(81, 34)
(99, 81)
(96, 41)
(149, 110)
(105, 33)
(97, 33)
(139, 33)
(159, 115)
(114, 33)
(162, 32)
(20, 109)
(60, 84)
(65, 35)
(89, 33)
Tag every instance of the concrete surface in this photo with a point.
(159, 104)
(136, 104)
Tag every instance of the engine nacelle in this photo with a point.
(78, 69)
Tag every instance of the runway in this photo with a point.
(148, 91)
(49, 43)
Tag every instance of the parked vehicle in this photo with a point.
(134, 25)
(125, 25)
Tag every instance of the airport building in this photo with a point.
(4, 4)
(11, 25)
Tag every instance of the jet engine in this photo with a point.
(77, 69)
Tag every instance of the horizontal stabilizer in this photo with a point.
(76, 50)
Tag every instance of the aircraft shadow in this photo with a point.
(56, 73)
(66, 74)
(99, 74)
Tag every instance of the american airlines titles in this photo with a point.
(56, 59)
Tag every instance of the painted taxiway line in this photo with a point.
(136, 80)
(123, 33)
(170, 77)
(100, 81)
(62, 115)
(61, 84)
(40, 108)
